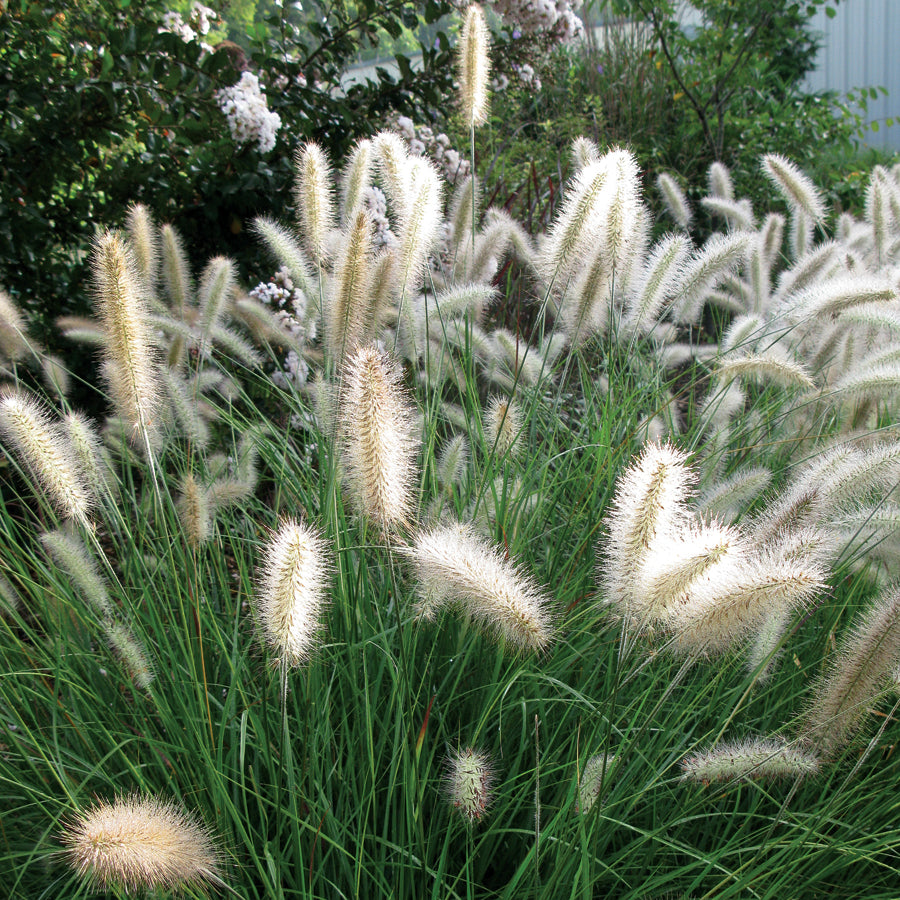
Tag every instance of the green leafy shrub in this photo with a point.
(101, 108)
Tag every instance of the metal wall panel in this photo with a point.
(857, 53)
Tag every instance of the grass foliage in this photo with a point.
(422, 614)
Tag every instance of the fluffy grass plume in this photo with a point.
(14, 344)
(285, 249)
(453, 462)
(840, 699)
(313, 188)
(577, 226)
(656, 282)
(752, 759)
(356, 176)
(796, 188)
(194, 511)
(776, 367)
(420, 228)
(378, 439)
(130, 652)
(593, 780)
(502, 425)
(349, 312)
(736, 215)
(720, 255)
(176, 277)
(141, 844)
(145, 246)
(671, 568)
(10, 600)
(70, 554)
(130, 355)
(719, 182)
(675, 200)
(623, 225)
(41, 446)
(737, 596)
(648, 504)
(474, 65)
(216, 285)
(453, 565)
(291, 592)
(469, 779)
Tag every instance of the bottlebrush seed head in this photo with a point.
(649, 503)
(42, 447)
(594, 779)
(469, 780)
(70, 554)
(474, 67)
(131, 653)
(841, 697)
(754, 759)
(130, 366)
(454, 565)
(796, 187)
(379, 444)
(503, 423)
(290, 595)
(313, 192)
(141, 843)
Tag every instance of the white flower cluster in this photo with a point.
(197, 25)
(292, 310)
(244, 105)
(422, 141)
(281, 82)
(376, 203)
(524, 75)
(555, 18)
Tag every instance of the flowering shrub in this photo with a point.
(197, 25)
(556, 19)
(249, 119)
(422, 141)
(105, 103)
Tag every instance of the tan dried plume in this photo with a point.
(455, 566)
(377, 436)
(474, 63)
(130, 365)
(42, 448)
(313, 192)
(841, 697)
(291, 592)
(141, 843)
(649, 505)
(349, 312)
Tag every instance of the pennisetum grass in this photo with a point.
(421, 561)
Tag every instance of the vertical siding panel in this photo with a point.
(857, 53)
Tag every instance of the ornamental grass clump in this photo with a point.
(141, 843)
(333, 461)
